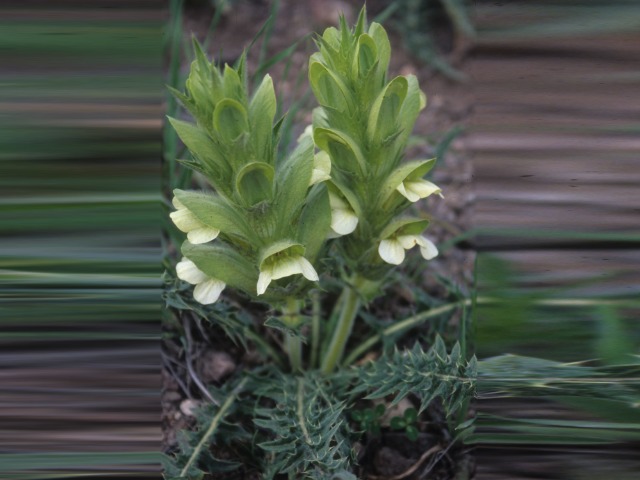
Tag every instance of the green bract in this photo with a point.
(260, 201)
(363, 124)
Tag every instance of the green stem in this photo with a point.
(332, 321)
(400, 327)
(213, 426)
(293, 344)
(315, 329)
(341, 334)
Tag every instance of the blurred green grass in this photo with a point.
(80, 256)
(557, 278)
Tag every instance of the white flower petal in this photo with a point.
(427, 248)
(422, 188)
(187, 271)
(321, 168)
(185, 220)
(319, 176)
(202, 235)
(408, 241)
(208, 292)
(263, 281)
(391, 251)
(285, 267)
(177, 203)
(307, 270)
(408, 194)
(343, 221)
(414, 190)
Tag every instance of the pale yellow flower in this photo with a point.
(414, 190)
(284, 267)
(392, 249)
(207, 289)
(197, 232)
(321, 168)
(343, 219)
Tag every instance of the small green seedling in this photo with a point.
(408, 423)
(369, 418)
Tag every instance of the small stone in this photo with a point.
(188, 407)
(395, 411)
(214, 366)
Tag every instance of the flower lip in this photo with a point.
(281, 260)
(187, 271)
(186, 221)
(321, 168)
(414, 190)
(391, 250)
(207, 289)
(343, 219)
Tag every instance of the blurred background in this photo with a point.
(81, 114)
(533, 112)
(556, 148)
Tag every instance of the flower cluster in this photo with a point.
(363, 124)
(268, 217)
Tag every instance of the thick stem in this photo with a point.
(293, 344)
(401, 327)
(341, 334)
(315, 330)
(294, 350)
